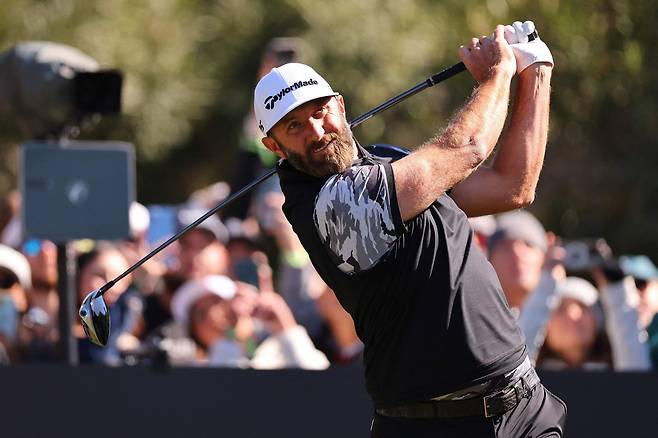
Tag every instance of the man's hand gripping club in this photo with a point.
(527, 47)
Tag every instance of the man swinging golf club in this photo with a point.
(443, 354)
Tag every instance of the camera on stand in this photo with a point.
(49, 89)
(70, 189)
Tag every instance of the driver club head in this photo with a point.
(95, 318)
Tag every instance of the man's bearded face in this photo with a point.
(329, 156)
(315, 138)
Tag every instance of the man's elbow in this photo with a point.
(523, 199)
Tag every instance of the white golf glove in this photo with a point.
(528, 48)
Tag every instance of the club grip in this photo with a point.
(446, 74)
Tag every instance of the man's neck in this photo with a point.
(356, 150)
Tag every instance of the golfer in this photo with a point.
(443, 354)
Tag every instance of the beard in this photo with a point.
(335, 158)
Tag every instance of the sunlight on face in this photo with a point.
(316, 138)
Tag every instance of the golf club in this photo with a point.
(94, 313)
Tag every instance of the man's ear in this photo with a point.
(272, 145)
(341, 103)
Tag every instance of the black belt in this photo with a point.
(487, 406)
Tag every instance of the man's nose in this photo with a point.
(316, 129)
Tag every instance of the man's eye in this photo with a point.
(293, 126)
(320, 112)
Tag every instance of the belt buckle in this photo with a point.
(486, 407)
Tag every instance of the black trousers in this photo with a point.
(542, 415)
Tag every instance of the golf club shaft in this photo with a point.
(177, 236)
(433, 80)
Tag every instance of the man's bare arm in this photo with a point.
(511, 180)
(421, 177)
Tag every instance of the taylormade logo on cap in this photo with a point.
(285, 88)
(271, 100)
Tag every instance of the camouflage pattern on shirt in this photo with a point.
(354, 219)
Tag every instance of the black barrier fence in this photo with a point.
(94, 402)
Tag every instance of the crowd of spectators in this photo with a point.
(241, 292)
(577, 305)
(212, 298)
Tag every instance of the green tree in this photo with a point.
(191, 65)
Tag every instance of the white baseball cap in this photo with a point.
(16, 262)
(139, 218)
(285, 88)
(192, 290)
(578, 289)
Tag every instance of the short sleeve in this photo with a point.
(357, 216)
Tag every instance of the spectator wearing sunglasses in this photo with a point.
(643, 291)
(628, 309)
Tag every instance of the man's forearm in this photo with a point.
(453, 154)
(482, 119)
(521, 153)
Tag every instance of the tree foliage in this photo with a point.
(191, 65)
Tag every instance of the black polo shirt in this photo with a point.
(425, 301)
